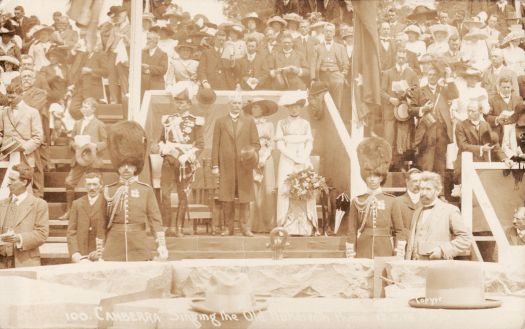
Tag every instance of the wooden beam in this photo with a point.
(466, 188)
(135, 62)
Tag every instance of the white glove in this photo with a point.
(400, 248)
(161, 247)
(350, 252)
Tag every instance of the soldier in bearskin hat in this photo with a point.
(374, 215)
(180, 142)
(132, 205)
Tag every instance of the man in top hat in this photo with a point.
(132, 206)
(253, 69)
(7, 46)
(437, 230)
(24, 222)
(88, 140)
(212, 68)
(180, 142)
(85, 215)
(233, 134)
(374, 216)
(288, 67)
(516, 233)
(116, 49)
(154, 64)
(330, 64)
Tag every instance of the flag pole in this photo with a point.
(135, 63)
(357, 185)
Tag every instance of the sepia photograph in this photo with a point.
(262, 164)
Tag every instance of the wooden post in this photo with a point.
(357, 185)
(135, 62)
(467, 171)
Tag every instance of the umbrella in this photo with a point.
(342, 205)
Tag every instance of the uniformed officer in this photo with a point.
(180, 141)
(374, 219)
(132, 205)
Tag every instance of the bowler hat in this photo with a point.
(249, 157)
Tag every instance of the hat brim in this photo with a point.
(422, 302)
(257, 20)
(282, 22)
(48, 29)
(268, 106)
(401, 112)
(479, 36)
(199, 305)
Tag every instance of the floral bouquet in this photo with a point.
(304, 183)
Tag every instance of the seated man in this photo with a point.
(437, 230)
(84, 218)
(24, 222)
(89, 139)
(516, 233)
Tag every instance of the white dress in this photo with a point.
(293, 137)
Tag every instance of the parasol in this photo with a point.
(342, 205)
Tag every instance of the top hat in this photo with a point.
(115, 10)
(253, 16)
(269, 107)
(454, 285)
(293, 97)
(231, 295)
(206, 96)
(249, 157)
(86, 155)
(421, 10)
(277, 19)
(317, 88)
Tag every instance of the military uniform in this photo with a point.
(181, 139)
(132, 211)
(373, 222)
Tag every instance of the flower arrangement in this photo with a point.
(304, 183)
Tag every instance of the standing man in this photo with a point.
(503, 106)
(233, 134)
(84, 218)
(212, 68)
(180, 142)
(24, 222)
(330, 64)
(23, 22)
(409, 201)
(437, 230)
(132, 206)
(89, 136)
(116, 48)
(154, 64)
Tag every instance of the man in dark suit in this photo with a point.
(154, 64)
(212, 68)
(253, 72)
(232, 134)
(409, 201)
(516, 233)
(84, 218)
(117, 50)
(330, 64)
(504, 10)
(305, 44)
(23, 22)
(502, 106)
(24, 222)
(288, 67)
(387, 51)
(88, 131)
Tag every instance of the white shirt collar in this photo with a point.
(234, 116)
(251, 57)
(414, 197)
(152, 51)
(20, 198)
(88, 119)
(92, 200)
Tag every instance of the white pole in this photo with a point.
(135, 62)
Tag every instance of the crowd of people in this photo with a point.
(447, 86)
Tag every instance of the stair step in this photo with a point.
(65, 152)
(54, 250)
(56, 239)
(56, 209)
(57, 179)
(58, 222)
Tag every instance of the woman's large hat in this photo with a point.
(439, 28)
(127, 142)
(374, 155)
(229, 295)
(421, 10)
(276, 19)
(512, 35)
(475, 34)
(5, 31)
(455, 285)
(10, 59)
(37, 29)
(255, 17)
(293, 97)
(269, 107)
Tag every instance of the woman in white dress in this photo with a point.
(294, 140)
(263, 209)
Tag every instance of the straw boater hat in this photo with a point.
(513, 35)
(318, 24)
(413, 29)
(35, 30)
(10, 59)
(276, 19)
(374, 155)
(269, 107)
(293, 17)
(475, 34)
(253, 16)
(472, 72)
(422, 11)
(455, 285)
(293, 97)
(229, 294)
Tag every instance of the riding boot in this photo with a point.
(70, 197)
(181, 215)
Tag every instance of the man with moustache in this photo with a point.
(437, 230)
(84, 218)
(409, 201)
(516, 233)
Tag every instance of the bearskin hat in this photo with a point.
(127, 144)
(374, 155)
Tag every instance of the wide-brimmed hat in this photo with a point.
(5, 31)
(439, 28)
(228, 294)
(173, 11)
(59, 51)
(317, 88)
(269, 107)
(422, 11)
(473, 22)
(86, 155)
(186, 43)
(475, 34)
(115, 10)
(293, 97)
(206, 96)
(513, 35)
(293, 17)
(10, 59)
(37, 29)
(318, 24)
(255, 17)
(277, 19)
(472, 72)
(454, 285)
(412, 28)
(249, 157)
(8, 147)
